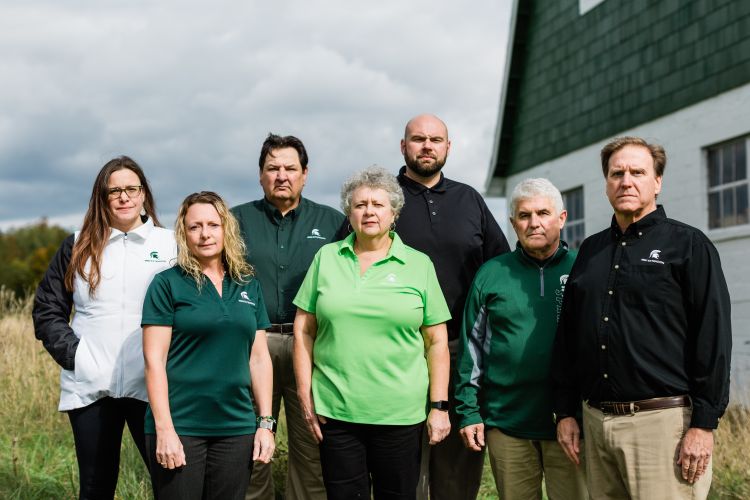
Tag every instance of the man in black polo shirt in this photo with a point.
(450, 222)
(644, 339)
(283, 231)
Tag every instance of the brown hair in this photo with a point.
(616, 144)
(96, 224)
(233, 253)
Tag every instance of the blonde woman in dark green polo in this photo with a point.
(203, 341)
(371, 349)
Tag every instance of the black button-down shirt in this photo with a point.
(646, 314)
(451, 223)
(281, 248)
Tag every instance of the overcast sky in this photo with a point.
(190, 90)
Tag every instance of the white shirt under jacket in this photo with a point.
(109, 357)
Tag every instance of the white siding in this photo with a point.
(684, 134)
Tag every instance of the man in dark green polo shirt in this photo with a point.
(283, 232)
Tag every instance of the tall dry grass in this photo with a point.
(36, 443)
(37, 456)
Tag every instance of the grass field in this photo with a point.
(37, 458)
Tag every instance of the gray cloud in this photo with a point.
(190, 92)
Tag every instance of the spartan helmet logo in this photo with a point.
(154, 254)
(244, 295)
(654, 254)
(315, 232)
(563, 280)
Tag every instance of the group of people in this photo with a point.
(403, 336)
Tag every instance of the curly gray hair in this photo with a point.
(373, 177)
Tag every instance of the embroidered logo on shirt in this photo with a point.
(245, 299)
(153, 256)
(391, 278)
(654, 257)
(315, 235)
(559, 293)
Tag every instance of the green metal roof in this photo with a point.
(578, 79)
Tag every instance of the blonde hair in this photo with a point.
(233, 253)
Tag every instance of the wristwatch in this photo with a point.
(268, 423)
(440, 405)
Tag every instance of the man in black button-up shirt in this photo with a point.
(450, 222)
(644, 339)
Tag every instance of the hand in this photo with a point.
(169, 452)
(568, 435)
(473, 436)
(438, 425)
(312, 420)
(263, 445)
(695, 453)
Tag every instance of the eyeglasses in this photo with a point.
(131, 191)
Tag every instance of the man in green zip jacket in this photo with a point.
(503, 392)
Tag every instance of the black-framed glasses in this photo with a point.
(131, 191)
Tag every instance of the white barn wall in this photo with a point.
(684, 134)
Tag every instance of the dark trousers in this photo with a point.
(216, 468)
(97, 432)
(352, 455)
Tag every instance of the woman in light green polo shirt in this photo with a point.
(204, 338)
(371, 349)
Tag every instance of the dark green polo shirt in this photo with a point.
(208, 361)
(282, 248)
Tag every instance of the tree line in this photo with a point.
(25, 253)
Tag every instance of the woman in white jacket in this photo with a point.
(103, 272)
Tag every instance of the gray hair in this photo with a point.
(531, 188)
(373, 177)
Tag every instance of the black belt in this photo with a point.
(285, 328)
(633, 407)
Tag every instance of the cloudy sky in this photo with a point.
(190, 92)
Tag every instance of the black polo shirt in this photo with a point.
(281, 248)
(451, 223)
(646, 314)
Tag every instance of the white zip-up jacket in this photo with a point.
(101, 350)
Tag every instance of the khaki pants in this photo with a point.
(304, 479)
(449, 470)
(635, 456)
(519, 465)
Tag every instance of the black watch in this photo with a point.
(440, 405)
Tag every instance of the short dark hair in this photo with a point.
(616, 144)
(274, 142)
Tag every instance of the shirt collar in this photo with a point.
(139, 233)
(638, 227)
(562, 249)
(397, 250)
(415, 187)
(274, 213)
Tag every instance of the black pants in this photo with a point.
(353, 455)
(216, 468)
(97, 432)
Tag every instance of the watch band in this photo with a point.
(268, 423)
(440, 405)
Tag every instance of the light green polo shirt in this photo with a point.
(208, 369)
(369, 364)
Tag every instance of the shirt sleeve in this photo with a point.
(566, 395)
(52, 307)
(435, 308)
(709, 335)
(495, 243)
(158, 305)
(307, 296)
(261, 315)
(470, 359)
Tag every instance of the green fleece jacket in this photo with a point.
(506, 341)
